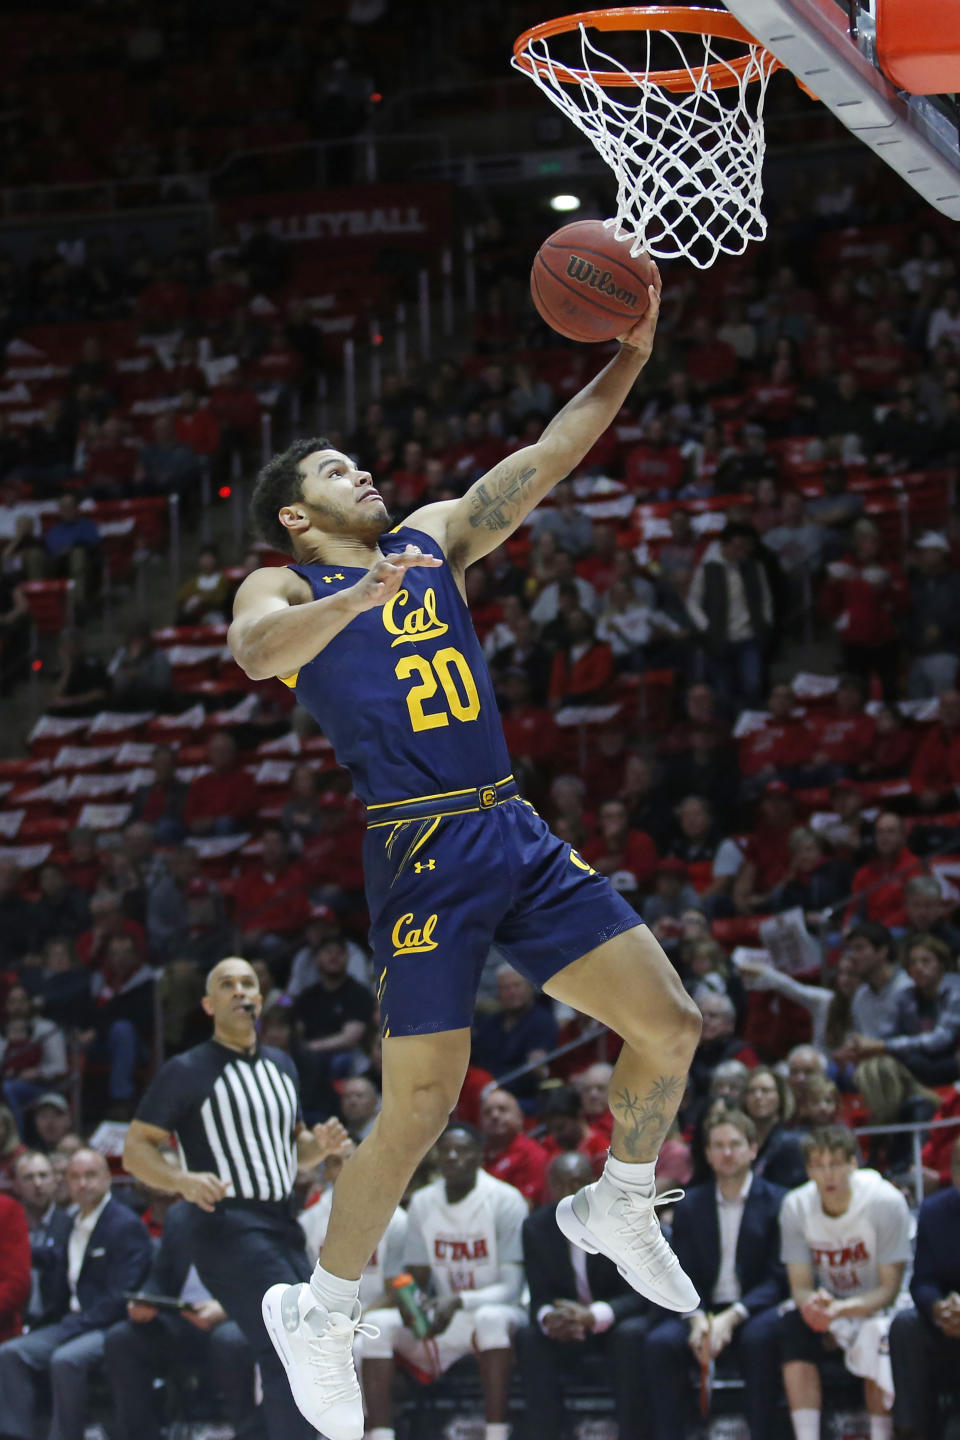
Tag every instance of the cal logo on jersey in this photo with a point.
(409, 626)
(409, 939)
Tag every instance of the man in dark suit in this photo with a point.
(35, 1185)
(727, 1236)
(108, 1253)
(579, 1305)
(148, 1342)
(925, 1342)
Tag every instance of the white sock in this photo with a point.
(500, 1432)
(627, 1175)
(881, 1427)
(806, 1424)
(332, 1292)
(381, 1432)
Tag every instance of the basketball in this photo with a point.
(586, 284)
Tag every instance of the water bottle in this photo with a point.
(410, 1301)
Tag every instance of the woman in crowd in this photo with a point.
(779, 1157)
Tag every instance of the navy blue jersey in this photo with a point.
(403, 693)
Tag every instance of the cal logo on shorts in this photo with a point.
(408, 939)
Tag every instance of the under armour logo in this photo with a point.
(421, 865)
(329, 579)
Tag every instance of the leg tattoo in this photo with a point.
(645, 1120)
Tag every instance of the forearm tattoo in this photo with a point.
(645, 1120)
(493, 503)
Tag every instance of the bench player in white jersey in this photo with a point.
(464, 1245)
(845, 1239)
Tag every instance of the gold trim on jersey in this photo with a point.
(290, 680)
(427, 829)
(443, 795)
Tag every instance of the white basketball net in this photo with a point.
(688, 165)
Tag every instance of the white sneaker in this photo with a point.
(316, 1348)
(624, 1226)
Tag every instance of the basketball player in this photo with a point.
(370, 626)
(845, 1240)
(463, 1241)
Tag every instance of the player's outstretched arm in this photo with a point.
(278, 627)
(502, 499)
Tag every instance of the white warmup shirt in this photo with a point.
(466, 1244)
(845, 1252)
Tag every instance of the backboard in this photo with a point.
(832, 48)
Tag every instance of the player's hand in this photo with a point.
(140, 1314)
(817, 1311)
(640, 336)
(385, 578)
(206, 1315)
(441, 1313)
(332, 1140)
(203, 1190)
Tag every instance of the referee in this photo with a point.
(234, 1108)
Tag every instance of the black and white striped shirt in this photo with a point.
(232, 1114)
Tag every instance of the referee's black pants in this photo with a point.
(239, 1252)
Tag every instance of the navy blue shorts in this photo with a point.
(442, 891)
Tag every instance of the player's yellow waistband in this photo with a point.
(453, 802)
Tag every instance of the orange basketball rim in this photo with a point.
(675, 18)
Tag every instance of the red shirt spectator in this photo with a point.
(14, 1265)
(582, 669)
(164, 300)
(655, 464)
(710, 363)
(235, 406)
(411, 478)
(593, 1085)
(936, 765)
(271, 896)
(882, 879)
(774, 399)
(894, 743)
(936, 1152)
(617, 847)
(530, 731)
(335, 856)
(509, 1154)
(864, 596)
(477, 452)
(844, 735)
(279, 364)
(766, 853)
(197, 426)
(108, 920)
(599, 568)
(224, 800)
(471, 1092)
(108, 455)
(879, 363)
(569, 1130)
(782, 742)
